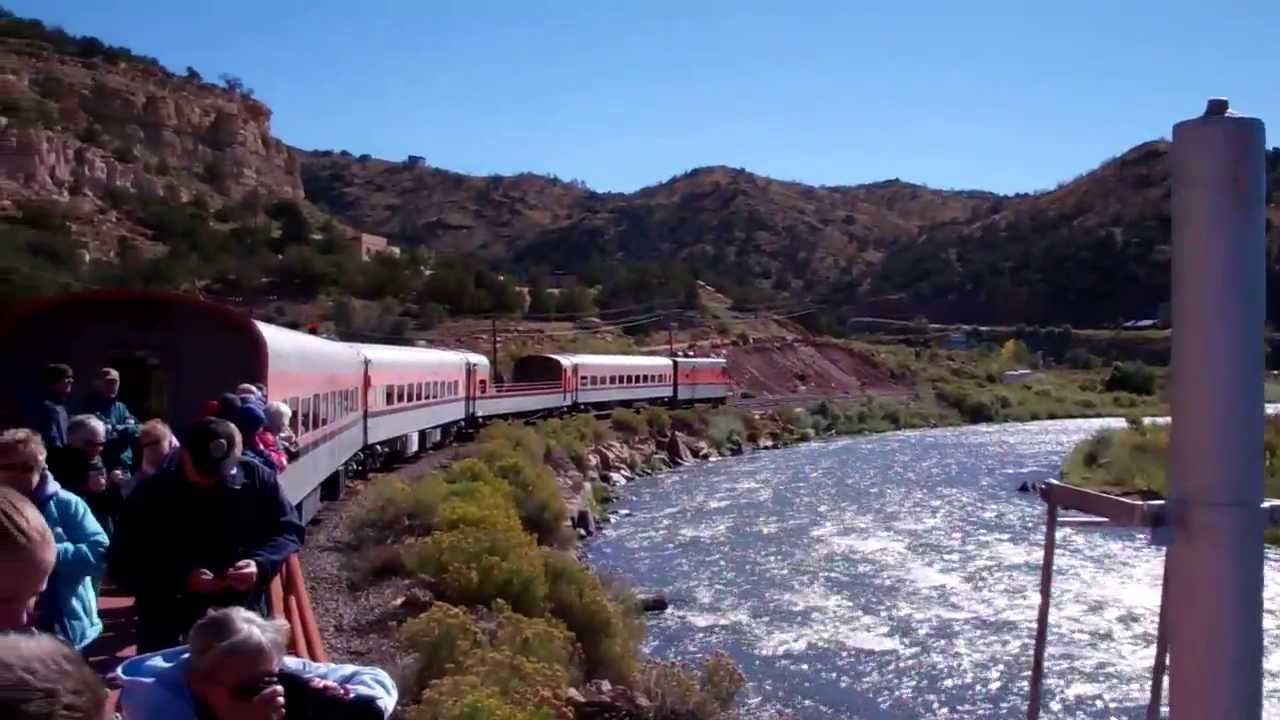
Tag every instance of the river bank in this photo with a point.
(1133, 461)
(443, 575)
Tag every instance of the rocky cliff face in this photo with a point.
(83, 129)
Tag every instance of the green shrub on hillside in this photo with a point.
(628, 423)
(391, 507)
(658, 419)
(1135, 378)
(607, 627)
(495, 685)
(679, 692)
(441, 640)
(1082, 359)
(476, 565)
(537, 498)
(725, 429)
(690, 421)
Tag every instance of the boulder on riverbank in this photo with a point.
(677, 451)
(654, 603)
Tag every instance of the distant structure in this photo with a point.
(1141, 325)
(561, 280)
(369, 245)
(415, 161)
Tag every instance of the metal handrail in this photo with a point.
(1121, 512)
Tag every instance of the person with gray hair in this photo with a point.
(235, 668)
(278, 417)
(80, 468)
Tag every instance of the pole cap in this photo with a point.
(1217, 107)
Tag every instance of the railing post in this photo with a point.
(1215, 458)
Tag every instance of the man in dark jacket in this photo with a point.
(122, 427)
(211, 531)
(49, 412)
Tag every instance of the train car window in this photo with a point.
(399, 394)
(315, 411)
(304, 416)
(613, 379)
(455, 388)
(326, 409)
(484, 386)
(293, 415)
(391, 395)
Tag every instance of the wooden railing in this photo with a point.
(288, 600)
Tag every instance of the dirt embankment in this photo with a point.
(766, 368)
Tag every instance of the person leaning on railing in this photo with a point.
(210, 531)
(235, 668)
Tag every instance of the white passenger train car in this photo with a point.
(320, 382)
(701, 379)
(411, 389)
(606, 379)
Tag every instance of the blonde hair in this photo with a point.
(23, 530)
(234, 632)
(41, 678)
(280, 411)
(23, 440)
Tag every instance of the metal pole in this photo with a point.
(1215, 457)
(1162, 648)
(493, 336)
(1042, 620)
(671, 339)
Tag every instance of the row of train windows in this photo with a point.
(321, 409)
(418, 392)
(641, 379)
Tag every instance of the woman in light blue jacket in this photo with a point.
(68, 607)
(235, 668)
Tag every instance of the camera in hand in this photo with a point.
(303, 702)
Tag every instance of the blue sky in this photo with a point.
(1006, 96)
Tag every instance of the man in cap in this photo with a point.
(122, 427)
(49, 413)
(209, 531)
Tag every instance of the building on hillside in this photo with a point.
(369, 245)
(1141, 325)
(416, 161)
(561, 280)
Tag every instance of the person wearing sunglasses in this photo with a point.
(234, 667)
(68, 607)
(80, 468)
(121, 426)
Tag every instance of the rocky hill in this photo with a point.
(740, 230)
(79, 129)
(99, 146)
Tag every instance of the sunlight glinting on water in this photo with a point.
(897, 577)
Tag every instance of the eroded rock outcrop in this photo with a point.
(71, 127)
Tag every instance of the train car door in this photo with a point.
(144, 386)
(469, 392)
(675, 382)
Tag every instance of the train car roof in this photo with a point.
(302, 351)
(636, 361)
(702, 361)
(406, 355)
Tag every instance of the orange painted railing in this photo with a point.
(289, 601)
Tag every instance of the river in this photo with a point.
(896, 576)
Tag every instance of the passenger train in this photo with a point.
(349, 400)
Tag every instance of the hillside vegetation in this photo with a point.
(97, 142)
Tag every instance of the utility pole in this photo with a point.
(1215, 456)
(493, 336)
(671, 338)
